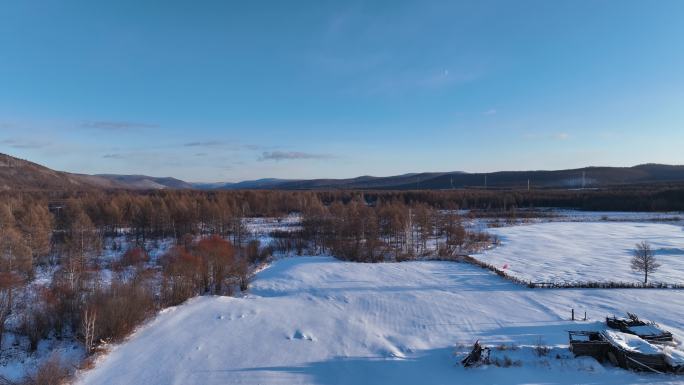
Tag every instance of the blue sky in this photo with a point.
(234, 90)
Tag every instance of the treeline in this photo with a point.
(657, 197)
(63, 227)
(37, 228)
(385, 231)
(175, 213)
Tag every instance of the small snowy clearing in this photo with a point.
(317, 320)
(586, 251)
(262, 228)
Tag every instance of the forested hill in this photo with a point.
(588, 177)
(17, 174)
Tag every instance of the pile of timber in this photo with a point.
(632, 352)
(650, 331)
(627, 351)
(634, 345)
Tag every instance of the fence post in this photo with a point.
(573, 314)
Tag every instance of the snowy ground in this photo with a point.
(617, 216)
(261, 228)
(316, 320)
(586, 251)
(15, 360)
(291, 222)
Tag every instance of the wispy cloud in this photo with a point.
(113, 156)
(204, 147)
(256, 147)
(490, 112)
(291, 155)
(115, 125)
(207, 143)
(562, 136)
(23, 144)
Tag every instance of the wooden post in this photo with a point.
(585, 315)
(573, 314)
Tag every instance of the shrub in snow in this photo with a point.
(505, 362)
(36, 324)
(133, 257)
(209, 266)
(52, 372)
(112, 313)
(540, 348)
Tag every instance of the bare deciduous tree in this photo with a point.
(644, 260)
(88, 325)
(8, 282)
(15, 255)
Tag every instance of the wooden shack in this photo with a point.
(589, 343)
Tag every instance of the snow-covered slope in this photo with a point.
(586, 251)
(316, 320)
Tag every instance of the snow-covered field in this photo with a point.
(586, 251)
(317, 320)
(616, 216)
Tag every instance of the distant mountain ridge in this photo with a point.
(244, 185)
(145, 182)
(19, 174)
(588, 177)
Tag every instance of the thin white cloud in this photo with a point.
(291, 155)
(115, 125)
(23, 144)
(207, 143)
(113, 156)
